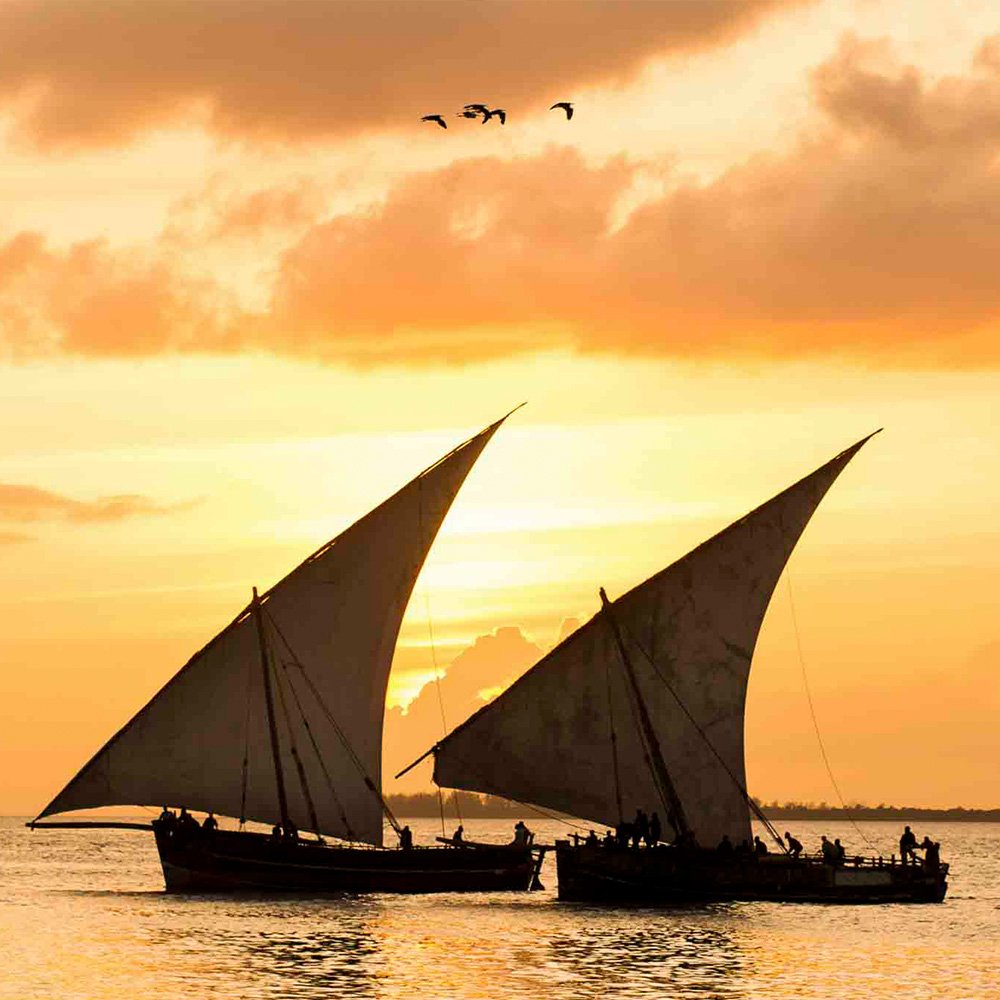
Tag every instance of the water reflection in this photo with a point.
(653, 954)
(80, 923)
(270, 947)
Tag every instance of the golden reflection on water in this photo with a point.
(85, 917)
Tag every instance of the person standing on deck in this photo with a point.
(655, 830)
(406, 838)
(640, 827)
(210, 824)
(907, 845)
(794, 846)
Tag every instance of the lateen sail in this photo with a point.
(331, 627)
(690, 633)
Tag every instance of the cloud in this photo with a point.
(95, 72)
(92, 300)
(475, 676)
(14, 537)
(874, 238)
(31, 503)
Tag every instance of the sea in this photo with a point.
(83, 915)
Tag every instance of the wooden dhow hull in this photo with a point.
(230, 862)
(665, 875)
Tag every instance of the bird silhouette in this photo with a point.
(435, 118)
(566, 106)
(495, 113)
(467, 114)
(477, 109)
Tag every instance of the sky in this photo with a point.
(245, 294)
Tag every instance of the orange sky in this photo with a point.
(245, 293)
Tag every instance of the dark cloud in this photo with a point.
(31, 503)
(87, 72)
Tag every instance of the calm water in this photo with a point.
(83, 914)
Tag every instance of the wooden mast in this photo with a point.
(265, 667)
(661, 776)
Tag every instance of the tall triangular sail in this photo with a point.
(330, 629)
(690, 633)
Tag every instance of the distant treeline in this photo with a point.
(469, 806)
(491, 807)
(811, 810)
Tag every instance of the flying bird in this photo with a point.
(495, 113)
(477, 109)
(435, 118)
(566, 106)
(467, 114)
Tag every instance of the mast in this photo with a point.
(658, 766)
(265, 667)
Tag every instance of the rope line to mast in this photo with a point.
(755, 808)
(341, 735)
(319, 756)
(245, 777)
(434, 659)
(614, 743)
(307, 794)
(812, 712)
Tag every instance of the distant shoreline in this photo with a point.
(471, 806)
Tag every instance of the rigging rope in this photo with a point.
(341, 735)
(614, 744)
(440, 698)
(757, 811)
(812, 712)
(246, 752)
(307, 794)
(434, 660)
(319, 755)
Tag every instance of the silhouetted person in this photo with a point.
(623, 833)
(166, 821)
(276, 834)
(655, 830)
(522, 835)
(794, 847)
(187, 825)
(932, 857)
(759, 847)
(841, 853)
(609, 838)
(828, 851)
(592, 839)
(907, 844)
(725, 845)
(456, 837)
(406, 838)
(210, 824)
(640, 827)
